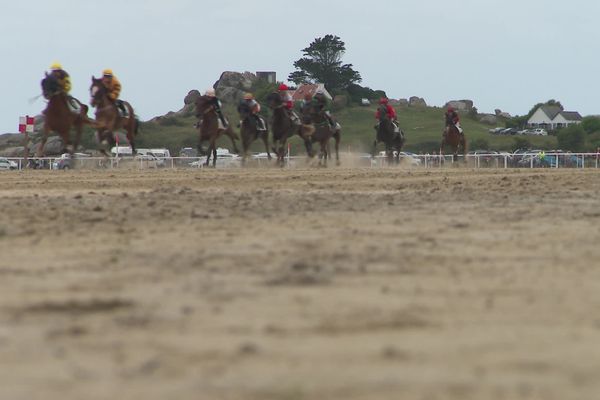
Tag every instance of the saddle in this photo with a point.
(123, 113)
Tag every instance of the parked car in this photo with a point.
(539, 132)
(64, 162)
(410, 158)
(509, 131)
(7, 164)
(151, 160)
(496, 131)
(224, 159)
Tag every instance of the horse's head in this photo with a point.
(274, 100)
(50, 86)
(203, 104)
(97, 92)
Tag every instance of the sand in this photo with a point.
(340, 283)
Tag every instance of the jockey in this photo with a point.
(390, 112)
(216, 104)
(288, 103)
(64, 82)
(61, 76)
(113, 86)
(321, 105)
(249, 103)
(452, 118)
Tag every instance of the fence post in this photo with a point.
(505, 162)
(582, 161)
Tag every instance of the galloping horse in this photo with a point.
(454, 139)
(109, 119)
(323, 133)
(284, 128)
(385, 133)
(210, 129)
(249, 131)
(59, 118)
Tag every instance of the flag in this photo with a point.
(26, 124)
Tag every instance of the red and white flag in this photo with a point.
(26, 124)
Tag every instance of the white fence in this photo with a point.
(528, 160)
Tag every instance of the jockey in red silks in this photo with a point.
(452, 118)
(391, 113)
(288, 103)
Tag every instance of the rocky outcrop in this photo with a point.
(402, 102)
(489, 119)
(501, 114)
(231, 86)
(18, 151)
(415, 101)
(460, 105)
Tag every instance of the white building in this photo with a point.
(553, 117)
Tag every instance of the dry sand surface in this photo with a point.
(300, 284)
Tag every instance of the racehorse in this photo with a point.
(283, 128)
(323, 133)
(59, 118)
(453, 138)
(249, 131)
(385, 133)
(109, 118)
(210, 129)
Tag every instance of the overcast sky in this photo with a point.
(507, 54)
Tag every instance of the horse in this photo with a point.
(59, 118)
(454, 139)
(109, 118)
(386, 133)
(283, 128)
(249, 131)
(210, 129)
(323, 132)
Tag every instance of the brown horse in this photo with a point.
(109, 118)
(250, 132)
(386, 133)
(210, 129)
(59, 118)
(323, 132)
(453, 138)
(283, 128)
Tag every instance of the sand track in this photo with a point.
(300, 284)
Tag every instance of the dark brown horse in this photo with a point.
(60, 118)
(386, 133)
(453, 138)
(283, 128)
(211, 129)
(249, 131)
(109, 119)
(323, 132)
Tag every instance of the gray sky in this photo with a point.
(507, 54)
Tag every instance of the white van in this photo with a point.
(122, 151)
(161, 153)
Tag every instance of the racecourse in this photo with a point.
(281, 284)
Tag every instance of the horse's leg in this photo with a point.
(337, 138)
(78, 132)
(130, 129)
(214, 155)
(40, 150)
(229, 132)
(209, 152)
(265, 139)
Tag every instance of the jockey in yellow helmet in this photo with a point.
(61, 76)
(64, 85)
(113, 87)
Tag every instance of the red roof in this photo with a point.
(299, 93)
